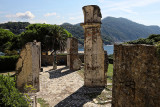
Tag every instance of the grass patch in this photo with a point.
(110, 73)
(42, 102)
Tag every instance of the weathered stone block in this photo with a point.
(92, 14)
(136, 76)
(28, 66)
(73, 60)
(95, 62)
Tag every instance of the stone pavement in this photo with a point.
(64, 88)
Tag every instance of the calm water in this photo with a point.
(108, 48)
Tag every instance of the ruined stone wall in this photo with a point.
(48, 59)
(136, 76)
(28, 66)
(95, 62)
(73, 60)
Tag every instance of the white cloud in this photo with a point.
(26, 15)
(50, 14)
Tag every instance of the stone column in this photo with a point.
(73, 60)
(28, 66)
(94, 56)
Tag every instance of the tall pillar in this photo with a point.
(94, 56)
(73, 60)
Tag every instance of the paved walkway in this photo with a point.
(64, 88)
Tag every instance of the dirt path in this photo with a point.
(64, 88)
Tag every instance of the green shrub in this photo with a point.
(8, 62)
(151, 40)
(9, 94)
(110, 58)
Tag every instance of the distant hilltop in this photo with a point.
(112, 30)
(116, 30)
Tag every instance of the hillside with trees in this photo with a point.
(15, 27)
(116, 30)
(153, 39)
(112, 30)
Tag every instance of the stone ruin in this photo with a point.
(94, 55)
(136, 76)
(28, 66)
(73, 61)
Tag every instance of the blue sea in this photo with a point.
(108, 48)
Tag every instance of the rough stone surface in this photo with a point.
(92, 14)
(94, 58)
(73, 60)
(136, 78)
(28, 66)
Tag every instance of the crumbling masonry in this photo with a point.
(95, 63)
(73, 61)
(136, 76)
(28, 66)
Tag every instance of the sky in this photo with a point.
(145, 12)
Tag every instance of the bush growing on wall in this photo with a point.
(9, 95)
(8, 62)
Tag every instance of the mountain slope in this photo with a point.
(122, 29)
(116, 30)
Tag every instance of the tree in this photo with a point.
(6, 37)
(52, 37)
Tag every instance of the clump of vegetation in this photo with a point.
(151, 40)
(9, 94)
(158, 49)
(42, 102)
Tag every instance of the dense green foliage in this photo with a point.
(9, 94)
(8, 62)
(15, 27)
(50, 36)
(151, 40)
(5, 39)
(9, 41)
